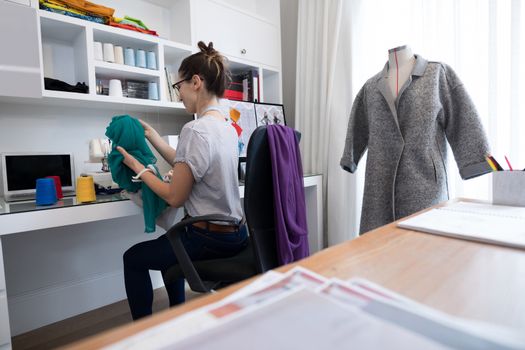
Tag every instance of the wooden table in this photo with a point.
(468, 279)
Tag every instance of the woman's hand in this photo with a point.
(130, 161)
(148, 129)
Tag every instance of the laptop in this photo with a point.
(19, 172)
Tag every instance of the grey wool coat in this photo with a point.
(406, 140)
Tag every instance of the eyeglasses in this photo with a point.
(176, 87)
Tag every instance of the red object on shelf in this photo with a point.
(130, 27)
(58, 186)
(233, 95)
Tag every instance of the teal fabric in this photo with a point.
(128, 133)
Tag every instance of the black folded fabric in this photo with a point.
(58, 85)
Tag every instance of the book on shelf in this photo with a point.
(252, 77)
(169, 82)
(235, 89)
(244, 86)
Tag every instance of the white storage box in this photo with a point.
(508, 188)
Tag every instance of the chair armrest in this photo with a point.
(186, 265)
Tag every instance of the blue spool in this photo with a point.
(129, 57)
(140, 58)
(45, 191)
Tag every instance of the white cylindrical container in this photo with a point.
(97, 51)
(115, 88)
(153, 91)
(109, 52)
(119, 55)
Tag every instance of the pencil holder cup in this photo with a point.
(58, 186)
(45, 191)
(508, 188)
(85, 189)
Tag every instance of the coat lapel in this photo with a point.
(382, 84)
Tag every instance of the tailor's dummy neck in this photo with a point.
(401, 61)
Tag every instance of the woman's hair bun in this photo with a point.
(210, 65)
(207, 49)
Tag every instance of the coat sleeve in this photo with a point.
(463, 128)
(357, 134)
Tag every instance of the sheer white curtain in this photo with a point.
(320, 116)
(483, 41)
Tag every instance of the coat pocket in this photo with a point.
(435, 169)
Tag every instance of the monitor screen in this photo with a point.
(23, 170)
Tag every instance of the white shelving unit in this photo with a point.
(66, 46)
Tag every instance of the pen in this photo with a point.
(492, 166)
(510, 166)
(496, 164)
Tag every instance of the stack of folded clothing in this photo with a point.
(131, 24)
(79, 9)
(59, 85)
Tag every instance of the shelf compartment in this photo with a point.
(174, 54)
(64, 51)
(271, 86)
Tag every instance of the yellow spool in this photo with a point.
(85, 189)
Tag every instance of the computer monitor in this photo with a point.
(19, 172)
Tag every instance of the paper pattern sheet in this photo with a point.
(496, 224)
(301, 309)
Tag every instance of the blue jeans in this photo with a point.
(158, 254)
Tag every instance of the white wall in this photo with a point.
(32, 128)
(289, 53)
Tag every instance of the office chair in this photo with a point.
(260, 255)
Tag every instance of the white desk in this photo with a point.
(26, 219)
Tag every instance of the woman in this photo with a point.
(204, 181)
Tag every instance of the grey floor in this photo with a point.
(87, 324)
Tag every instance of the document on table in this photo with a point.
(301, 309)
(496, 224)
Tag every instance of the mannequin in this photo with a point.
(401, 61)
(404, 117)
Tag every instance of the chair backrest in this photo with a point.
(259, 200)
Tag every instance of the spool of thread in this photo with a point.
(109, 52)
(129, 57)
(58, 186)
(97, 51)
(153, 91)
(119, 55)
(151, 60)
(85, 189)
(140, 58)
(45, 191)
(115, 88)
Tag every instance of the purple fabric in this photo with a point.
(288, 191)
